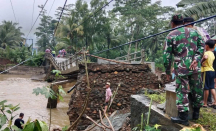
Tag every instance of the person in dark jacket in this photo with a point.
(19, 121)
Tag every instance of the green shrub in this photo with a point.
(37, 60)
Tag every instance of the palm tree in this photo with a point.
(200, 10)
(184, 3)
(10, 35)
(68, 30)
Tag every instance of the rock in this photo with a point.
(117, 121)
(140, 104)
(132, 78)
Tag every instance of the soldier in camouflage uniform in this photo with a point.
(187, 47)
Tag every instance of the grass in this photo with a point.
(207, 119)
(159, 98)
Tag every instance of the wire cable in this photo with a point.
(198, 21)
(85, 19)
(15, 65)
(37, 18)
(33, 12)
(60, 17)
(51, 7)
(95, 13)
(13, 11)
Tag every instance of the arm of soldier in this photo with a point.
(199, 53)
(205, 57)
(167, 56)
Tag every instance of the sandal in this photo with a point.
(209, 104)
(214, 106)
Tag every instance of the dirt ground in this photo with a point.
(4, 61)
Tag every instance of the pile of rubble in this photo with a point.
(131, 77)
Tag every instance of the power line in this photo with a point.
(13, 10)
(37, 18)
(51, 7)
(60, 18)
(85, 19)
(155, 34)
(33, 12)
(96, 12)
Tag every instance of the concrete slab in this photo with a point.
(140, 104)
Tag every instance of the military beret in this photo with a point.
(177, 17)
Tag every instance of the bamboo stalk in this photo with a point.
(149, 112)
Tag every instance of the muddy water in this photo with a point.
(18, 90)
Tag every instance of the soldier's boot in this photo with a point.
(181, 119)
(196, 113)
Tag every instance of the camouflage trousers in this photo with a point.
(195, 88)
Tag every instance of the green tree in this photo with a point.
(69, 32)
(10, 35)
(45, 32)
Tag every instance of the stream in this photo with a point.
(17, 89)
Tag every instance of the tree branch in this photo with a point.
(109, 122)
(95, 123)
(102, 121)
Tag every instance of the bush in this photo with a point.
(37, 60)
(16, 55)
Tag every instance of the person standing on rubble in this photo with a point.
(187, 47)
(108, 96)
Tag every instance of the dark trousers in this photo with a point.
(209, 96)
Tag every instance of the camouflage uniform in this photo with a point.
(186, 45)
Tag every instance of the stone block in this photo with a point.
(171, 108)
(140, 104)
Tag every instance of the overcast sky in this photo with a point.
(23, 11)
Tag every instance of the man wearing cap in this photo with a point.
(108, 96)
(187, 47)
